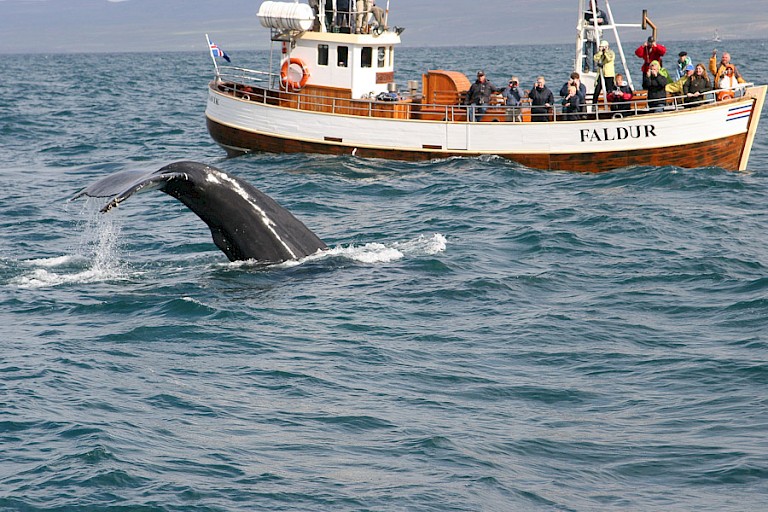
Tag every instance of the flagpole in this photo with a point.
(215, 65)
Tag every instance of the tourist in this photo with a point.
(718, 69)
(594, 14)
(676, 88)
(542, 100)
(695, 87)
(315, 5)
(649, 52)
(728, 81)
(574, 80)
(330, 15)
(572, 104)
(512, 98)
(683, 61)
(363, 9)
(655, 83)
(605, 63)
(378, 15)
(620, 97)
(343, 8)
(479, 96)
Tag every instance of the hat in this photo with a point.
(603, 43)
(481, 73)
(682, 54)
(689, 67)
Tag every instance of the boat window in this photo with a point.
(322, 55)
(366, 57)
(343, 56)
(382, 56)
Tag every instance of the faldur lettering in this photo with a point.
(618, 133)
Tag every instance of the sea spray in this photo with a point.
(94, 258)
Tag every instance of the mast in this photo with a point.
(609, 26)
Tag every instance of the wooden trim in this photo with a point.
(758, 93)
(725, 153)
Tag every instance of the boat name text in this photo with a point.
(618, 133)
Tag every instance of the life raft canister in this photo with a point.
(293, 84)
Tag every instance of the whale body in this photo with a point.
(245, 223)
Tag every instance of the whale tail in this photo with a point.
(122, 185)
(245, 223)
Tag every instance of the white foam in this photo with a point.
(57, 261)
(42, 278)
(423, 246)
(374, 252)
(95, 259)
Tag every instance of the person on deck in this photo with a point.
(649, 52)
(330, 15)
(620, 97)
(378, 15)
(542, 100)
(729, 83)
(719, 69)
(574, 80)
(363, 9)
(683, 61)
(696, 86)
(315, 5)
(676, 88)
(343, 8)
(512, 97)
(572, 104)
(594, 14)
(478, 97)
(605, 63)
(655, 83)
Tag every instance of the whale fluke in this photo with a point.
(245, 223)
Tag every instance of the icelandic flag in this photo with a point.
(218, 52)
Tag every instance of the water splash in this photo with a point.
(95, 259)
(374, 252)
(370, 253)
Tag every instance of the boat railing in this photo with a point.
(244, 76)
(249, 85)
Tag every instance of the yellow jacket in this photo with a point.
(718, 70)
(676, 88)
(606, 59)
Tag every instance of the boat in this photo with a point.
(330, 89)
(716, 37)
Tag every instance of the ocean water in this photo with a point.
(480, 337)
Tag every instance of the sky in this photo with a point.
(70, 26)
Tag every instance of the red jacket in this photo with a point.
(650, 55)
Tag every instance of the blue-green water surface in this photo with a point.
(480, 337)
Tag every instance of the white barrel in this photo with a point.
(286, 16)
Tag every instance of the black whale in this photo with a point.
(245, 223)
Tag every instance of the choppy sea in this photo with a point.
(480, 337)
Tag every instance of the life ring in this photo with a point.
(292, 84)
(724, 95)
